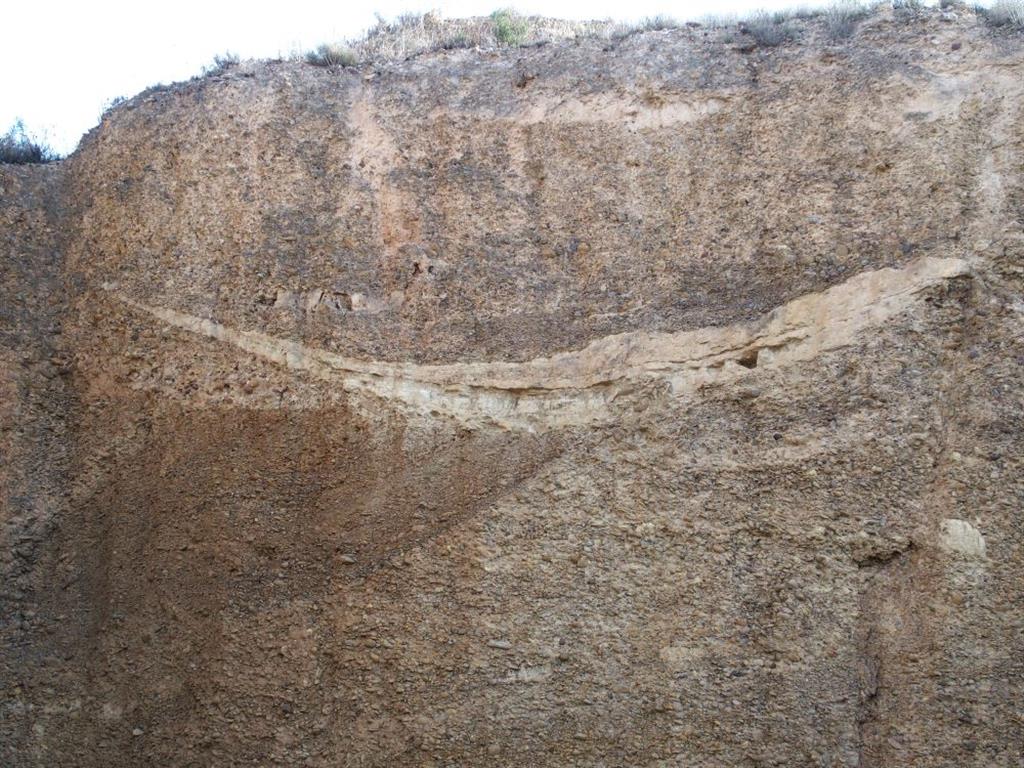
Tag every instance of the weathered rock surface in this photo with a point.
(637, 403)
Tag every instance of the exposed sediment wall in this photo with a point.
(578, 387)
(647, 402)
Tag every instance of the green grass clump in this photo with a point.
(509, 27)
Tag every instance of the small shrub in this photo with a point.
(1003, 13)
(907, 5)
(769, 29)
(18, 148)
(331, 55)
(805, 14)
(509, 27)
(221, 63)
(841, 20)
(456, 42)
(710, 21)
(658, 23)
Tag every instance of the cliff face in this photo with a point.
(654, 402)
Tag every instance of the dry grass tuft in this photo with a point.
(841, 19)
(332, 55)
(769, 29)
(1003, 13)
(221, 63)
(18, 148)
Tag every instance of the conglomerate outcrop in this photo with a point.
(643, 402)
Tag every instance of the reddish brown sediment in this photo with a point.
(654, 401)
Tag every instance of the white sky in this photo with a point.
(62, 62)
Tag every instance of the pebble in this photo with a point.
(501, 645)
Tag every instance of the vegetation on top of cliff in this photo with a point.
(221, 63)
(1003, 13)
(332, 54)
(412, 34)
(18, 148)
(841, 19)
(509, 27)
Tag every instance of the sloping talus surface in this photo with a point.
(604, 404)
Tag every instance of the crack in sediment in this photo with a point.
(578, 387)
